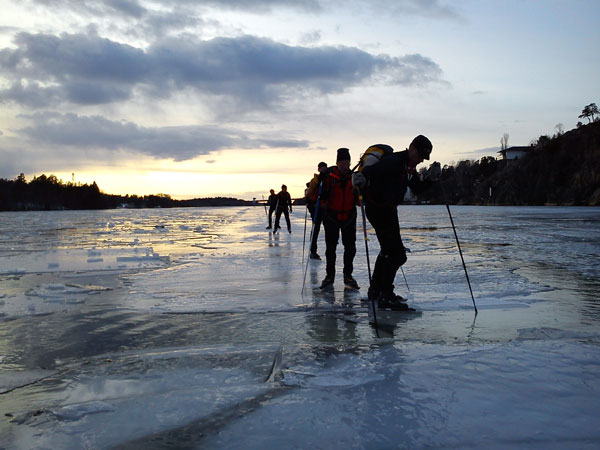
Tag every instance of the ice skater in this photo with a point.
(284, 203)
(311, 200)
(339, 201)
(387, 183)
(272, 202)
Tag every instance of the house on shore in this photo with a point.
(514, 152)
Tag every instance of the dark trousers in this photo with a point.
(316, 225)
(332, 235)
(392, 254)
(287, 218)
(271, 209)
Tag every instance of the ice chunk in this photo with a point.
(77, 411)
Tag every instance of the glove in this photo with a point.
(290, 209)
(435, 172)
(359, 181)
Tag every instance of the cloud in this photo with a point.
(128, 8)
(56, 130)
(426, 8)
(133, 8)
(310, 37)
(46, 70)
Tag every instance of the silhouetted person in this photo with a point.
(272, 202)
(339, 215)
(387, 184)
(311, 202)
(284, 203)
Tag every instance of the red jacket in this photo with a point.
(338, 194)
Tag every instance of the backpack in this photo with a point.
(373, 155)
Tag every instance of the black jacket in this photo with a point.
(285, 201)
(272, 201)
(389, 178)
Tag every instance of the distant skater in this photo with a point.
(312, 194)
(272, 202)
(339, 216)
(284, 204)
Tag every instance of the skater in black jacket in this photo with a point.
(284, 204)
(272, 202)
(387, 183)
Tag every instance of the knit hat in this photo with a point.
(322, 164)
(423, 146)
(343, 154)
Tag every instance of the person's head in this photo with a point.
(419, 149)
(322, 166)
(272, 191)
(343, 160)
(283, 187)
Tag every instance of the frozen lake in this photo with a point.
(186, 328)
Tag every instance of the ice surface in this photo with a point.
(186, 328)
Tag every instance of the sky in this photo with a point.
(235, 97)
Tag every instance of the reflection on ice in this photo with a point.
(187, 328)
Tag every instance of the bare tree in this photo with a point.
(560, 129)
(504, 141)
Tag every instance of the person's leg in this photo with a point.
(315, 236)
(332, 233)
(277, 218)
(270, 217)
(349, 241)
(287, 219)
(391, 255)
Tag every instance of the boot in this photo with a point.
(392, 301)
(314, 255)
(327, 281)
(350, 282)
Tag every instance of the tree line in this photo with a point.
(50, 193)
(560, 170)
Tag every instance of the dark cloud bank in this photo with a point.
(46, 70)
(50, 72)
(179, 143)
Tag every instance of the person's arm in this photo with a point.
(417, 185)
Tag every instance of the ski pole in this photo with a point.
(312, 229)
(458, 245)
(364, 218)
(304, 238)
(406, 282)
(265, 205)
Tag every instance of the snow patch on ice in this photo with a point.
(59, 290)
(343, 370)
(81, 260)
(78, 411)
(546, 333)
